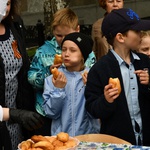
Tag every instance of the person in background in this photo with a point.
(65, 21)
(64, 100)
(145, 43)
(16, 94)
(126, 114)
(101, 45)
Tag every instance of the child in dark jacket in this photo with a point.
(126, 114)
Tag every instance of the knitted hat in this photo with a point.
(122, 20)
(83, 41)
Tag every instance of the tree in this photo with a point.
(50, 7)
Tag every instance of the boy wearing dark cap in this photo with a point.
(124, 115)
(64, 100)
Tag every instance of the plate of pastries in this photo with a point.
(62, 141)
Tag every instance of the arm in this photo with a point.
(53, 98)
(38, 71)
(91, 60)
(96, 103)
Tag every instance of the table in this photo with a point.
(108, 146)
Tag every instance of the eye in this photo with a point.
(8, 3)
(63, 49)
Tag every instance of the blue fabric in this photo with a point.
(40, 68)
(66, 106)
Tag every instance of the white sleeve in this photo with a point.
(1, 113)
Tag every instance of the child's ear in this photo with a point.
(120, 37)
(78, 28)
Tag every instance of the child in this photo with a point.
(64, 22)
(124, 115)
(64, 100)
(145, 43)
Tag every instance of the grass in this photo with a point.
(31, 51)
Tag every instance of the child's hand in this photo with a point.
(84, 77)
(143, 76)
(110, 93)
(61, 80)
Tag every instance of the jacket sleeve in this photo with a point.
(53, 99)
(91, 60)
(37, 71)
(96, 104)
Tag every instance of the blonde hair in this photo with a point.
(145, 33)
(66, 17)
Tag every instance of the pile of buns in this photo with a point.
(61, 141)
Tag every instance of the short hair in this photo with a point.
(66, 17)
(102, 3)
(145, 33)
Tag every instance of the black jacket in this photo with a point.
(25, 95)
(115, 117)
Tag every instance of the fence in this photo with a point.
(33, 38)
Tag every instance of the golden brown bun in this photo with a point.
(61, 148)
(37, 138)
(57, 59)
(57, 143)
(115, 83)
(70, 143)
(25, 145)
(55, 73)
(51, 139)
(62, 136)
(46, 145)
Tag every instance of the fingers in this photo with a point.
(143, 76)
(110, 93)
(84, 77)
(61, 81)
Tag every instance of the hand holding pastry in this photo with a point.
(112, 90)
(55, 73)
(59, 79)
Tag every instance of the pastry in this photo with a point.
(57, 59)
(62, 136)
(55, 73)
(25, 145)
(37, 138)
(115, 83)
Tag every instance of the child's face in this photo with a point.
(132, 39)
(61, 31)
(145, 46)
(113, 4)
(72, 56)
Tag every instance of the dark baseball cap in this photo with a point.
(122, 20)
